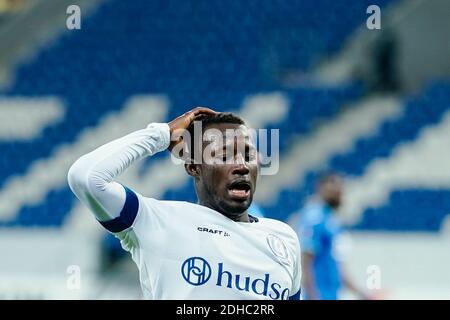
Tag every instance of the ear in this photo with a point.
(192, 169)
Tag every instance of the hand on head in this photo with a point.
(183, 122)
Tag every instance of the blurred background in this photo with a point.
(373, 105)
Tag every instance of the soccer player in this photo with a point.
(209, 250)
(320, 232)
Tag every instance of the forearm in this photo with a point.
(308, 277)
(92, 176)
(309, 286)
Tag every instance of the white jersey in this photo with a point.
(184, 250)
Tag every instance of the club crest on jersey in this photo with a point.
(196, 271)
(278, 248)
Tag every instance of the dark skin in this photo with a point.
(225, 181)
(330, 192)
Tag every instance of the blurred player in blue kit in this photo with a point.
(321, 237)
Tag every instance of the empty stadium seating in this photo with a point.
(409, 209)
(211, 53)
(214, 53)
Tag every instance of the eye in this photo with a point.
(249, 157)
(249, 154)
(226, 156)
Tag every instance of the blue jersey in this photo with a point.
(318, 231)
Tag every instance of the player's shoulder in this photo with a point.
(173, 208)
(156, 204)
(312, 213)
(279, 228)
(153, 212)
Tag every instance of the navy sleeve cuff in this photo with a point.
(127, 215)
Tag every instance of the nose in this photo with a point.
(240, 167)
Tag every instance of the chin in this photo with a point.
(235, 207)
(335, 205)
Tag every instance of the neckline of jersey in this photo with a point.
(255, 221)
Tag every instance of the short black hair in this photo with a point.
(208, 120)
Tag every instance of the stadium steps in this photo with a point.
(310, 154)
(422, 114)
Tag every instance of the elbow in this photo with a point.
(83, 178)
(76, 176)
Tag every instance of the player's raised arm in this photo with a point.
(92, 176)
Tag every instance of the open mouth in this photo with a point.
(239, 190)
